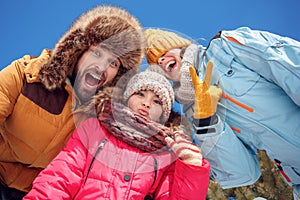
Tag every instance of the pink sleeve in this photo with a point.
(187, 182)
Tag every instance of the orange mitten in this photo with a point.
(206, 96)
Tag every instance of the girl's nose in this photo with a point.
(146, 104)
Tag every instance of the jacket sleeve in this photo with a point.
(233, 164)
(274, 57)
(63, 176)
(10, 87)
(187, 182)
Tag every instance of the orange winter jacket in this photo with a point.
(35, 123)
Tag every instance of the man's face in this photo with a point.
(96, 67)
(170, 62)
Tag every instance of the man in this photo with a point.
(259, 75)
(37, 96)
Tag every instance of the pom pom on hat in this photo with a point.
(155, 82)
(160, 42)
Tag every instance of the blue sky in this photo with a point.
(29, 26)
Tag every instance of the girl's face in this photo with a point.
(170, 62)
(147, 104)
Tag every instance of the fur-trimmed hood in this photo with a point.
(108, 26)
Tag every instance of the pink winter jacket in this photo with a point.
(96, 165)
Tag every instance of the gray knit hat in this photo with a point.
(155, 82)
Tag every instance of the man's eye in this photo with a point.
(114, 64)
(96, 52)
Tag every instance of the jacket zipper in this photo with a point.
(94, 157)
(150, 196)
(155, 170)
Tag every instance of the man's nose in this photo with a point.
(102, 67)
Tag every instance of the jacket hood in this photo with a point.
(110, 27)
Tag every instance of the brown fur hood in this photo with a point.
(108, 26)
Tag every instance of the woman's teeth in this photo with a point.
(170, 66)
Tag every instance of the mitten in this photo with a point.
(184, 90)
(185, 149)
(188, 57)
(206, 96)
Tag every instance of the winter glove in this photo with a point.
(184, 90)
(188, 57)
(206, 96)
(184, 149)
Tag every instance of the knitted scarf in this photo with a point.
(132, 128)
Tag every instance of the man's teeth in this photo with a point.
(97, 77)
(93, 79)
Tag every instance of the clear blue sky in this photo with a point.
(29, 26)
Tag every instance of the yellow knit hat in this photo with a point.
(160, 42)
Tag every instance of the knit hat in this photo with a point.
(160, 42)
(155, 82)
(106, 26)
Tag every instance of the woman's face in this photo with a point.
(170, 62)
(147, 104)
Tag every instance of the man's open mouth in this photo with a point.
(94, 79)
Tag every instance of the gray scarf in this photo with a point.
(133, 129)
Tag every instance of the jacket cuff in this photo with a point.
(211, 124)
(190, 169)
(206, 121)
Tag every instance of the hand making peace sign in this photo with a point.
(206, 96)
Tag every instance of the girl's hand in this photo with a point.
(185, 149)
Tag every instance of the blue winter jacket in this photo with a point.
(261, 70)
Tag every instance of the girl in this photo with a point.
(127, 152)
